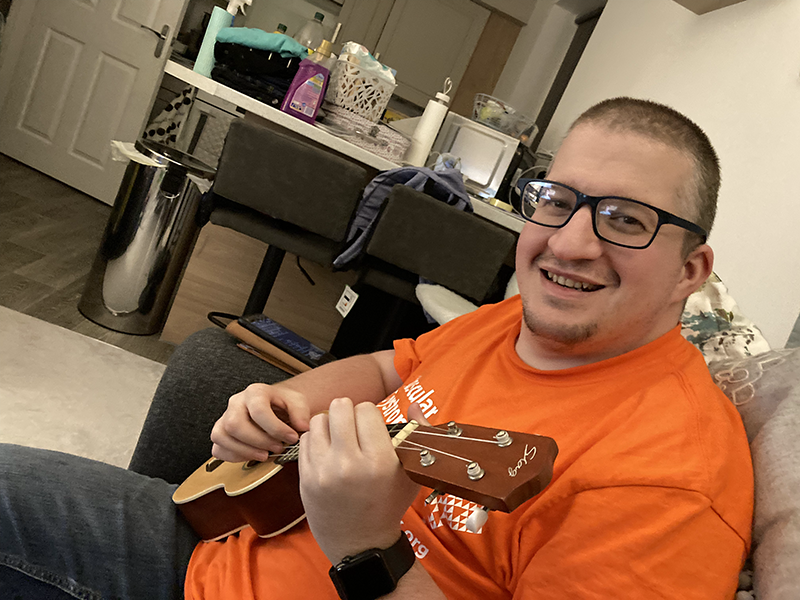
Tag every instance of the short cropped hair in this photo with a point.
(666, 125)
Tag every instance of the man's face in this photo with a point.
(633, 296)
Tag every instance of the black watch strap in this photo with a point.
(374, 572)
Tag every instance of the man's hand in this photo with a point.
(353, 486)
(249, 429)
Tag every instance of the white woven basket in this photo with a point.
(354, 89)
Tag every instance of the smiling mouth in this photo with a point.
(570, 283)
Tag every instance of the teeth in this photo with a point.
(561, 280)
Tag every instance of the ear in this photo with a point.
(697, 267)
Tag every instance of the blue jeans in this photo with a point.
(76, 528)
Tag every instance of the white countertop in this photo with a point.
(208, 85)
(291, 123)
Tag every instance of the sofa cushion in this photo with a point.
(766, 391)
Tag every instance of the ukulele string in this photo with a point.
(289, 452)
(453, 437)
(421, 447)
(292, 452)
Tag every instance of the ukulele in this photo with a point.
(498, 470)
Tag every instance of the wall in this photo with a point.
(736, 72)
(536, 58)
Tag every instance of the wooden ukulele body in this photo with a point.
(267, 499)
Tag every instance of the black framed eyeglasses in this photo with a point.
(619, 221)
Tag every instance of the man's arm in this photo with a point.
(353, 487)
(416, 585)
(355, 490)
(250, 429)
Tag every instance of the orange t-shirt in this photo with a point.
(651, 496)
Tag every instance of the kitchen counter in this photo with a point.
(273, 115)
(343, 147)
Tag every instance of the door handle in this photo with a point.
(162, 37)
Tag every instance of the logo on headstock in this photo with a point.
(526, 456)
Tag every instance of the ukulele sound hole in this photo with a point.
(250, 464)
(213, 464)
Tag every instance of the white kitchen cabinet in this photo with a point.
(427, 41)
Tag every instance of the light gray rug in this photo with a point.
(64, 391)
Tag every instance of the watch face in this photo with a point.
(364, 577)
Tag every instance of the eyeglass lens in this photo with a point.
(617, 220)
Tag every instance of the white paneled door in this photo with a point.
(77, 74)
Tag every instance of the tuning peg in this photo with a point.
(477, 519)
(426, 459)
(474, 471)
(503, 439)
(453, 429)
(432, 497)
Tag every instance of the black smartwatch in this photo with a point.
(374, 572)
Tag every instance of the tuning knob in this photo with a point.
(477, 519)
(503, 439)
(432, 497)
(474, 471)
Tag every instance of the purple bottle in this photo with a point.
(307, 89)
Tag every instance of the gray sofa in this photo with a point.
(766, 390)
(208, 368)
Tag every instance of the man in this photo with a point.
(652, 490)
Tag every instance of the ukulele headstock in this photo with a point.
(497, 469)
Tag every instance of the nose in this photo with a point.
(576, 240)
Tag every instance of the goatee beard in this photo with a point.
(563, 334)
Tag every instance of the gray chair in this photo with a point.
(294, 196)
(419, 236)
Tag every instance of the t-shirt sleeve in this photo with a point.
(410, 353)
(632, 542)
(406, 358)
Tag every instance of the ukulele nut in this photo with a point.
(474, 471)
(426, 459)
(503, 439)
(453, 429)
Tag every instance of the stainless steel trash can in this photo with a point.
(146, 245)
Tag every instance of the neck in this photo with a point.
(552, 355)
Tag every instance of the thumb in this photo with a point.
(415, 413)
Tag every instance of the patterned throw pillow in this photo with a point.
(713, 322)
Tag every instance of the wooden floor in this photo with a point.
(49, 234)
